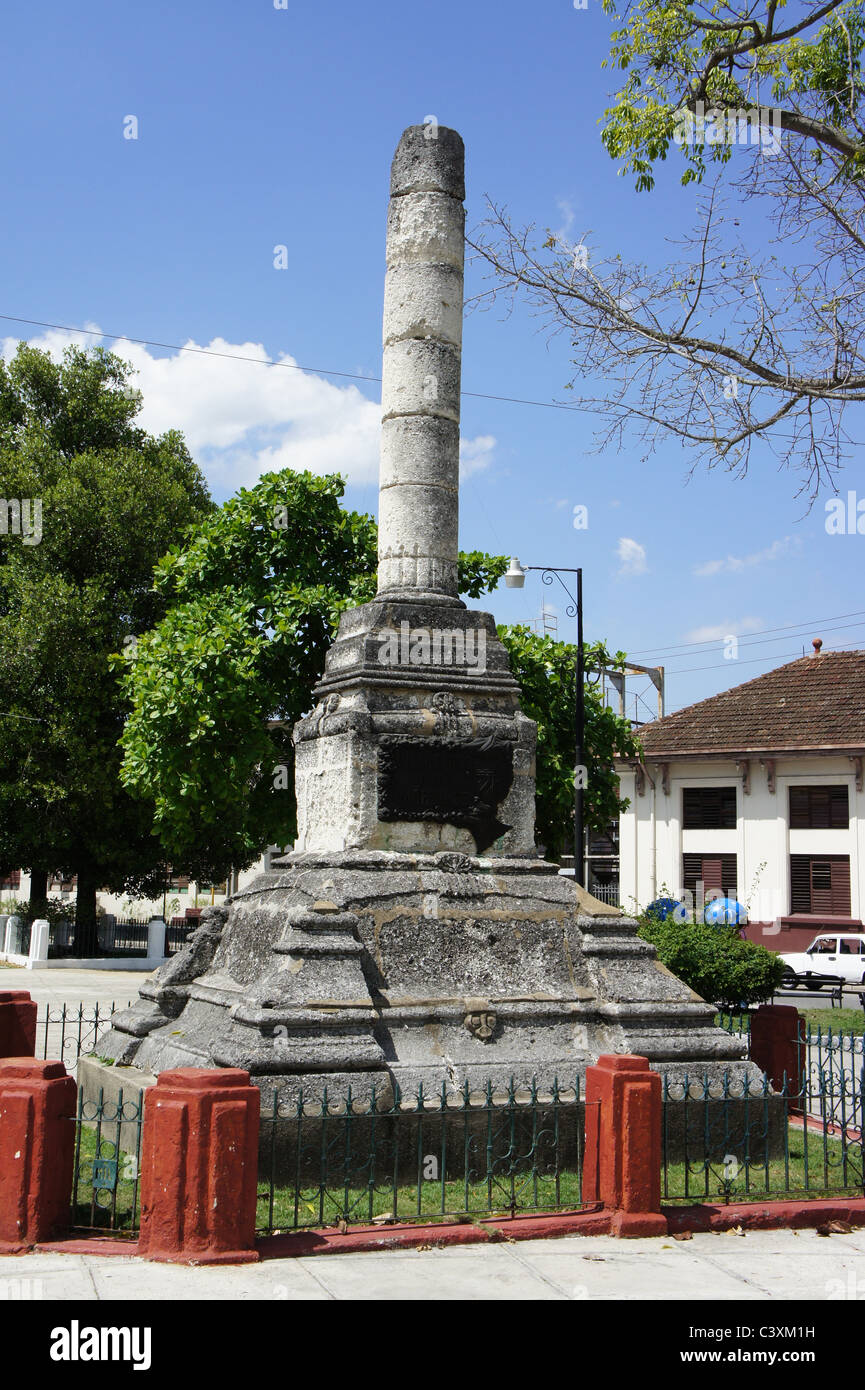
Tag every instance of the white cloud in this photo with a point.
(736, 627)
(734, 564)
(631, 556)
(476, 454)
(241, 419)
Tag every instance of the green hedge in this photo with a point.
(714, 961)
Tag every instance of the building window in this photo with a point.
(820, 883)
(12, 879)
(716, 872)
(819, 808)
(709, 808)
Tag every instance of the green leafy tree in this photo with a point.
(546, 671)
(714, 961)
(725, 342)
(254, 599)
(112, 499)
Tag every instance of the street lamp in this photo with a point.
(515, 578)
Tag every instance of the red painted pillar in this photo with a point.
(37, 1151)
(17, 1023)
(622, 1166)
(778, 1047)
(199, 1167)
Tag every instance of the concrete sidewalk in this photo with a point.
(55, 988)
(759, 1266)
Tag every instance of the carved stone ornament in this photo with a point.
(481, 1025)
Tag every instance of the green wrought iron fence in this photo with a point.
(65, 1032)
(728, 1140)
(393, 1157)
(107, 1164)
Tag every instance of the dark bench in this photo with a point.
(824, 985)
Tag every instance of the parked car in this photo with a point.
(841, 954)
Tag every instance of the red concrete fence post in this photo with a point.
(37, 1151)
(622, 1165)
(778, 1047)
(199, 1167)
(17, 1023)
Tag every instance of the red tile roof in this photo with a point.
(815, 702)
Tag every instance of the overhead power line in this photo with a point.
(754, 660)
(751, 636)
(269, 362)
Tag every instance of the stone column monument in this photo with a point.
(414, 934)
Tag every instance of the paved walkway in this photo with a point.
(73, 987)
(759, 1266)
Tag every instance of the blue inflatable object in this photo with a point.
(725, 912)
(662, 908)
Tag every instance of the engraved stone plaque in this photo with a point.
(460, 783)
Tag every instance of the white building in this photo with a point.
(757, 793)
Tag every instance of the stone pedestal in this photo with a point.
(17, 1023)
(414, 937)
(199, 1164)
(375, 967)
(37, 1147)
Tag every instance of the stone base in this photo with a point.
(344, 971)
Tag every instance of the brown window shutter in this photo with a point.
(800, 883)
(718, 873)
(713, 873)
(820, 883)
(819, 808)
(709, 808)
(840, 893)
(821, 886)
(729, 875)
(799, 809)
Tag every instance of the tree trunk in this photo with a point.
(86, 944)
(38, 886)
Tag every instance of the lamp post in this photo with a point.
(515, 578)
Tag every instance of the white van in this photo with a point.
(841, 954)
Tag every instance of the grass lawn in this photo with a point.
(108, 1207)
(839, 1020)
(821, 1170)
(313, 1206)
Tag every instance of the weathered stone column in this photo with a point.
(422, 338)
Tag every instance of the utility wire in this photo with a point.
(269, 362)
(767, 641)
(685, 646)
(754, 660)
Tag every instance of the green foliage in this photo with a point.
(546, 671)
(52, 910)
(254, 598)
(714, 961)
(113, 500)
(731, 57)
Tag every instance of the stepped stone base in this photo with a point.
(379, 968)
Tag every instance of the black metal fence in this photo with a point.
(177, 935)
(104, 936)
(394, 1157)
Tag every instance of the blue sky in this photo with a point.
(260, 127)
